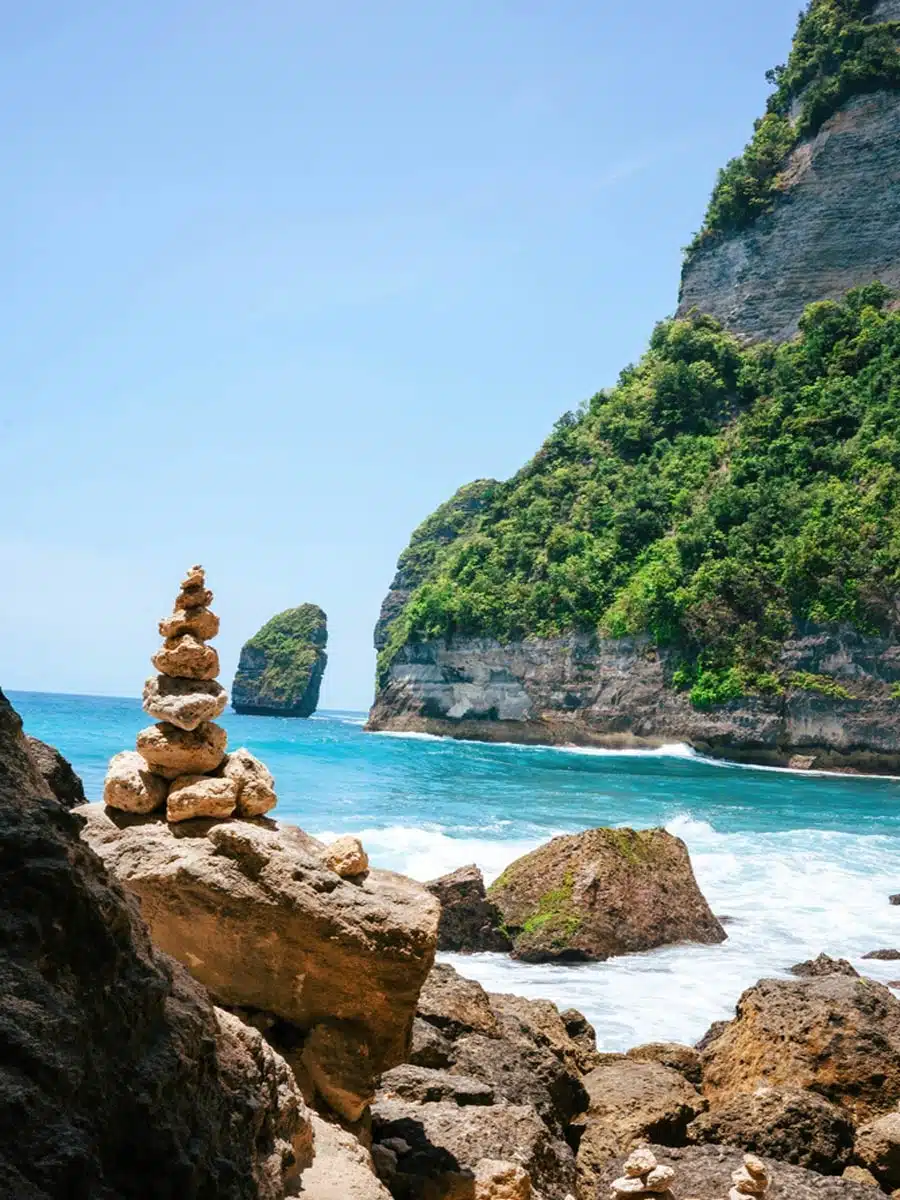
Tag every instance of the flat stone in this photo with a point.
(170, 751)
(186, 658)
(186, 703)
(201, 622)
(131, 786)
(346, 857)
(255, 785)
(200, 796)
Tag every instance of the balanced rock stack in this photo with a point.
(750, 1180)
(181, 761)
(644, 1177)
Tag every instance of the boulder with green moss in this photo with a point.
(281, 667)
(592, 895)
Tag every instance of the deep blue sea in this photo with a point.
(798, 863)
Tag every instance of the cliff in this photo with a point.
(281, 667)
(811, 209)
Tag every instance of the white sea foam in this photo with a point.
(787, 896)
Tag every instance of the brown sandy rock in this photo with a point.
(824, 965)
(342, 1169)
(186, 658)
(117, 1070)
(428, 1086)
(131, 786)
(792, 1126)
(194, 577)
(186, 703)
(456, 1005)
(193, 796)
(337, 1059)
(447, 1143)
(683, 1059)
(838, 1035)
(857, 1174)
(469, 921)
(498, 1180)
(632, 1102)
(253, 913)
(346, 857)
(193, 597)
(57, 772)
(583, 1035)
(604, 892)
(705, 1173)
(202, 623)
(254, 782)
(877, 1148)
(170, 751)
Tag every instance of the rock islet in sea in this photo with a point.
(182, 762)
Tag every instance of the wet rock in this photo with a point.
(469, 921)
(604, 892)
(186, 703)
(792, 1126)
(57, 772)
(346, 857)
(131, 786)
(895, 899)
(250, 909)
(117, 1068)
(823, 965)
(878, 1149)
(192, 796)
(838, 1035)
(884, 955)
(170, 751)
(683, 1059)
(632, 1102)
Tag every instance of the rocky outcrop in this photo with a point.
(591, 895)
(836, 1035)
(257, 916)
(281, 667)
(706, 1173)
(57, 772)
(877, 1149)
(617, 693)
(469, 921)
(117, 1076)
(181, 760)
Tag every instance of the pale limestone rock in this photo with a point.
(201, 622)
(346, 857)
(186, 658)
(200, 796)
(659, 1179)
(131, 786)
(194, 597)
(496, 1179)
(342, 1168)
(255, 785)
(640, 1162)
(171, 751)
(186, 703)
(628, 1185)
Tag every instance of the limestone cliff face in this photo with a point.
(617, 693)
(837, 227)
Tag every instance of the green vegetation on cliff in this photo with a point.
(281, 667)
(838, 52)
(712, 499)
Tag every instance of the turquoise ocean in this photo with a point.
(798, 863)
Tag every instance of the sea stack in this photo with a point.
(181, 761)
(281, 667)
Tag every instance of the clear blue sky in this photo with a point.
(279, 276)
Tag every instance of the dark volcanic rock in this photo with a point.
(603, 892)
(895, 899)
(57, 772)
(118, 1079)
(281, 667)
(704, 1173)
(837, 1034)
(469, 921)
(798, 1127)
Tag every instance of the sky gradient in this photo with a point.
(281, 276)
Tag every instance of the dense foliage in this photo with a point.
(291, 644)
(445, 524)
(837, 53)
(716, 495)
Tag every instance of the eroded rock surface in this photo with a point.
(57, 772)
(603, 892)
(116, 1070)
(469, 921)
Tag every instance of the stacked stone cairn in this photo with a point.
(751, 1180)
(644, 1177)
(181, 762)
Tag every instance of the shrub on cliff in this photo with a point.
(714, 497)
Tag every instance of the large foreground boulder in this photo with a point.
(255, 914)
(601, 893)
(469, 921)
(835, 1034)
(57, 772)
(704, 1173)
(118, 1079)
